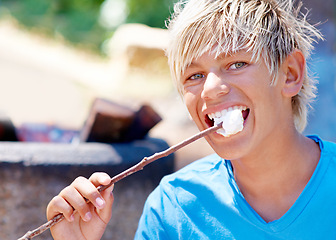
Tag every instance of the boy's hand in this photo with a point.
(90, 221)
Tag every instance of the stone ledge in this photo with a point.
(31, 174)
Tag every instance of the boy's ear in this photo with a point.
(294, 67)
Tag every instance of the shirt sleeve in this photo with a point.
(156, 221)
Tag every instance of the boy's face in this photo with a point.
(211, 85)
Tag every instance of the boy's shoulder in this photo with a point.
(330, 146)
(327, 147)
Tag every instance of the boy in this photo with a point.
(267, 181)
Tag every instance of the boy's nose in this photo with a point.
(214, 87)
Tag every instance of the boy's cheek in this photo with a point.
(190, 102)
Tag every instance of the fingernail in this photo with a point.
(87, 217)
(100, 202)
(72, 218)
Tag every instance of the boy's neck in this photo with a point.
(272, 182)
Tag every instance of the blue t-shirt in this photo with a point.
(203, 201)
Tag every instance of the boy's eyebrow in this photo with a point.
(193, 64)
(229, 55)
(222, 56)
(219, 57)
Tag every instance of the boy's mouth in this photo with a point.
(233, 119)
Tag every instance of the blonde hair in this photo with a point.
(270, 29)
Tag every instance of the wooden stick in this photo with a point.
(139, 166)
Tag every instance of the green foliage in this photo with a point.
(77, 20)
(150, 12)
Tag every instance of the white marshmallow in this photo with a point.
(232, 122)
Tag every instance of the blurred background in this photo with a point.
(57, 56)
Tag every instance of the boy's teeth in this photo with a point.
(223, 112)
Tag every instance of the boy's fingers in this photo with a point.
(58, 205)
(89, 191)
(76, 195)
(106, 213)
(100, 178)
(75, 199)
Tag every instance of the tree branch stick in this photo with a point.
(139, 166)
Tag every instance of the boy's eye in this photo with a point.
(237, 65)
(196, 76)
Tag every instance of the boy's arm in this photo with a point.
(89, 219)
